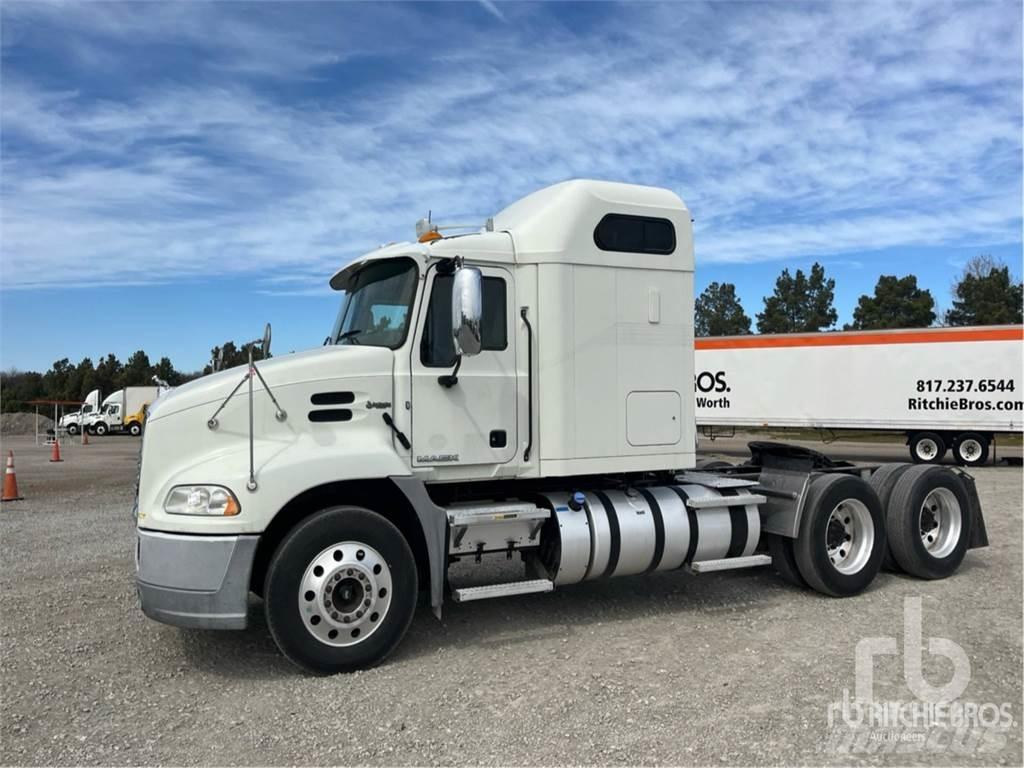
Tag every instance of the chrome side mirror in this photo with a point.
(466, 310)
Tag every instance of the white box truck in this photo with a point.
(72, 422)
(525, 392)
(945, 388)
(122, 411)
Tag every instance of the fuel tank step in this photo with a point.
(502, 590)
(730, 563)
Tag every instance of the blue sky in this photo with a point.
(177, 174)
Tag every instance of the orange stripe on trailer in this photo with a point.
(857, 338)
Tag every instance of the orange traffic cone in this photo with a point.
(85, 437)
(11, 481)
(55, 456)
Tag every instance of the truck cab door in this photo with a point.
(472, 423)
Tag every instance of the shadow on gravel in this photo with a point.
(510, 622)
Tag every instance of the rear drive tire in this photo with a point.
(927, 448)
(340, 590)
(784, 561)
(970, 449)
(882, 482)
(929, 522)
(842, 536)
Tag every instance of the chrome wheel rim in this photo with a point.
(849, 536)
(970, 450)
(345, 593)
(940, 522)
(927, 449)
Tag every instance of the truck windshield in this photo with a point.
(376, 306)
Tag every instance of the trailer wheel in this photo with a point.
(929, 522)
(135, 429)
(72, 429)
(882, 482)
(784, 561)
(842, 541)
(970, 449)
(100, 429)
(927, 448)
(340, 590)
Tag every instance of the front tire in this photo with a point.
(842, 541)
(100, 429)
(340, 591)
(927, 448)
(72, 429)
(135, 429)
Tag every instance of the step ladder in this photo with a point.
(533, 586)
(494, 526)
(729, 563)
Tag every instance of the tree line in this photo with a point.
(984, 294)
(70, 381)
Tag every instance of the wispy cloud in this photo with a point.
(282, 140)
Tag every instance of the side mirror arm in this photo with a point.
(449, 380)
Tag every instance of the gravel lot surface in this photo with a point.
(731, 668)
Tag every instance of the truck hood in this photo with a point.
(320, 364)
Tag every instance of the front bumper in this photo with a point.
(200, 582)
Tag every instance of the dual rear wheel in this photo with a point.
(912, 518)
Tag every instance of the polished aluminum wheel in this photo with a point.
(849, 536)
(345, 593)
(941, 522)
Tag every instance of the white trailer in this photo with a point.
(123, 411)
(524, 391)
(944, 388)
(72, 422)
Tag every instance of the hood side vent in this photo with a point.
(331, 414)
(332, 398)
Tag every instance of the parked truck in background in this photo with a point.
(522, 392)
(945, 389)
(122, 411)
(72, 422)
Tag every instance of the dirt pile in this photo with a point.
(23, 423)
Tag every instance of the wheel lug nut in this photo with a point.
(366, 603)
(359, 614)
(334, 615)
(347, 619)
(327, 603)
(349, 572)
(337, 577)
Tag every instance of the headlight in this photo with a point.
(201, 500)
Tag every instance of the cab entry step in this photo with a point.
(502, 590)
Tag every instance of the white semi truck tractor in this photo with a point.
(524, 391)
(123, 411)
(72, 422)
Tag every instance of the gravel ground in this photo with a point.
(732, 668)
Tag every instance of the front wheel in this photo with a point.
(841, 542)
(72, 429)
(100, 429)
(135, 429)
(340, 591)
